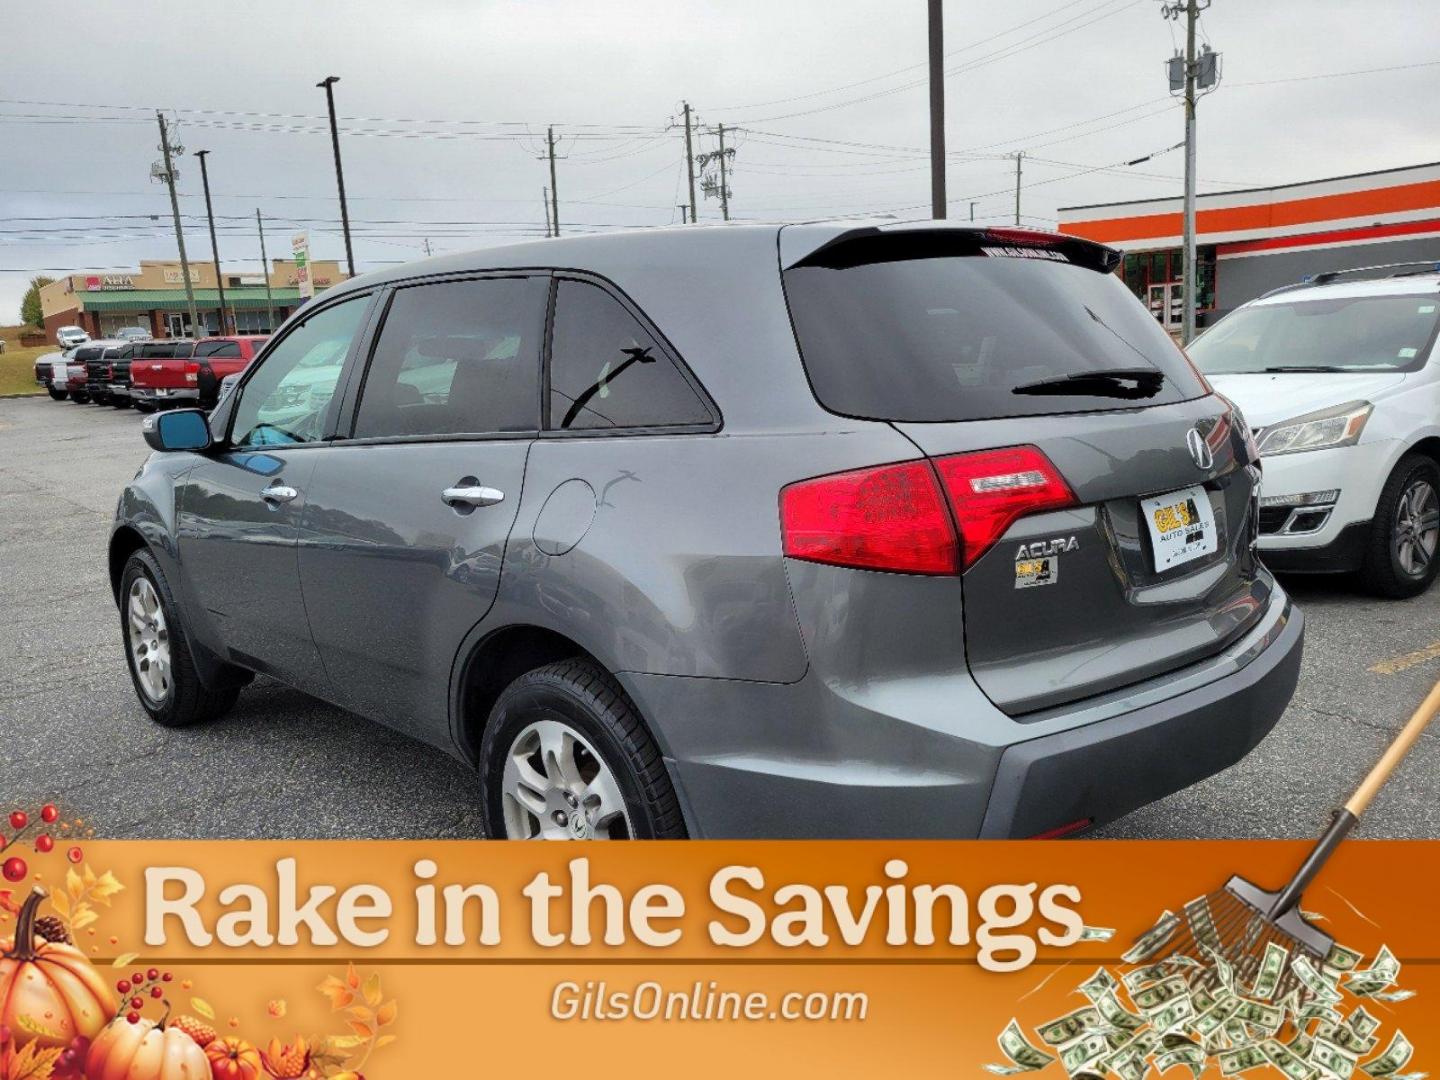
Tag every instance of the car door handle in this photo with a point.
(471, 496)
(276, 494)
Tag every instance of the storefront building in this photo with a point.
(153, 297)
(1249, 242)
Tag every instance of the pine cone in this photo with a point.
(52, 929)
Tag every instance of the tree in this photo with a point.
(30, 313)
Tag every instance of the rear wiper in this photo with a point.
(1302, 368)
(1128, 383)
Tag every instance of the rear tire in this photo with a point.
(80, 397)
(576, 706)
(118, 402)
(57, 395)
(1401, 559)
(158, 652)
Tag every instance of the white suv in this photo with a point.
(1340, 384)
(69, 336)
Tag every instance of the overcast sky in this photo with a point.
(444, 108)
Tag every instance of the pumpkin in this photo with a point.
(233, 1059)
(49, 993)
(145, 1050)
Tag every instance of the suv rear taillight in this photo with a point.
(192, 371)
(990, 489)
(895, 517)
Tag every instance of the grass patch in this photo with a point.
(17, 365)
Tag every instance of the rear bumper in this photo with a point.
(932, 758)
(1102, 771)
(163, 395)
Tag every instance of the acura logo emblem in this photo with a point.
(1199, 449)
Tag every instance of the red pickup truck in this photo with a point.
(194, 379)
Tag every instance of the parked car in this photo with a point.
(196, 378)
(99, 357)
(1338, 377)
(148, 361)
(133, 333)
(45, 374)
(68, 336)
(831, 529)
(77, 371)
(60, 373)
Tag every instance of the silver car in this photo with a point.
(824, 530)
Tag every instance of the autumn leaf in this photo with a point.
(352, 977)
(203, 1007)
(372, 990)
(365, 1031)
(124, 959)
(384, 1040)
(35, 1027)
(84, 915)
(386, 1013)
(336, 1044)
(73, 884)
(61, 903)
(33, 1063)
(339, 994)
(105, 887)
(88, 876)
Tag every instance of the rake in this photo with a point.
(1239, 921)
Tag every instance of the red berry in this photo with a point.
(49, 814)
(44, 844)
(133, 1017)
(75, 854)
(137, 1003)
(19, 819)
(157, 992)
(166, 977)
(123, 986)
(15, 869)
(152, 974)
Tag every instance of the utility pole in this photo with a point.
(554, 191)
(427, 245)
(724, 185)
(169, 177)
(545, 202)
(972, 211)
(937, 109)
(265, 264)
(690, 161)
(1200, 72)
(214, 244)
(328, 83)
(1019, 157)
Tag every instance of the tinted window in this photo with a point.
(932, 330)
(89, 354)
(155, 352)
(1357, 333)
(289, 395)
(217, 348)
(462, 356)
(183, 349)
(607, 371)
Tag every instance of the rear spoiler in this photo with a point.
(882, 243)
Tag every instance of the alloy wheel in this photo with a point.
(555, 786)
(149, 639)
(1417, 528)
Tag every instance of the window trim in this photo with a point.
(717, 420)
(355, 390)
(367, 317)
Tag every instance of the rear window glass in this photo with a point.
(1354, 333)
(155, 352)
(89, 354)
(926, 330)
(218, 348)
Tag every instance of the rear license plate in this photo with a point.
(162, 393)
(1182, 526)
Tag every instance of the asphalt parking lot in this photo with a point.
(284, 765)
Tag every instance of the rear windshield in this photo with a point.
(901, 332)
(220, 349)
(155, 352)
(1357, 333)
(89, 354)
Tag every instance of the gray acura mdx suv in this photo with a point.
(748, 531)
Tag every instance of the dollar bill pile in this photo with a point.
(1197, 1012)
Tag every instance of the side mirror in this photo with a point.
(181, 429)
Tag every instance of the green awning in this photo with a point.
(246, 299)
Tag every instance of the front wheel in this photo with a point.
(119, 402)
(1401, 560)
(80, 397)
(156, 649)
(565, 756)
(57, 395)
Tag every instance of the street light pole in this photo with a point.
(937, 109)
(214, 244)
(328, 83)
(265, 265)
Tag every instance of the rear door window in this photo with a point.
(220, 349)
(608, 371)
(456, 357)
(940, 327)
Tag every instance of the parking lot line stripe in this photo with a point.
(1408, 660)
